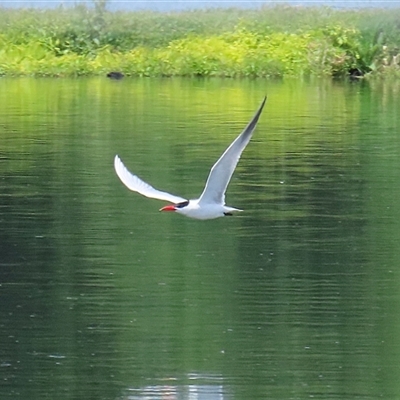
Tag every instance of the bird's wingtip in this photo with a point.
(117, 160)
(118, 164)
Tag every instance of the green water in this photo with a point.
(103, 297)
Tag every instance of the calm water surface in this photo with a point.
(103, 297)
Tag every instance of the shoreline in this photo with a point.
(270, 42)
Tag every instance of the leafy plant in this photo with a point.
(270, 41)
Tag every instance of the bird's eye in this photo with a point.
(182, 204)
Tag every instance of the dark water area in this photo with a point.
(103, 297)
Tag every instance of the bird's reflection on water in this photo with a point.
(197, 387)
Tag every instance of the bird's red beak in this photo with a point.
(168, 208)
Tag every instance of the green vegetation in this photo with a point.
(275, 41)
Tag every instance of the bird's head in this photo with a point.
(175, 207)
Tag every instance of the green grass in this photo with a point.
(275, 41)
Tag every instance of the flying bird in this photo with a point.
(211, 203)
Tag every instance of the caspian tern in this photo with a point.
(211, 203)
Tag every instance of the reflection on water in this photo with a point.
(214, 390)
(104, 297)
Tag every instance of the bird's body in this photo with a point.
(194, 209)
(211, 203)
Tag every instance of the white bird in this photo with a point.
(211, 203)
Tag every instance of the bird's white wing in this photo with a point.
(221, 172)
(135, 184)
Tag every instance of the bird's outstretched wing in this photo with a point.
(222, 170)
(135, 184)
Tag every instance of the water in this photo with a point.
(103, 297)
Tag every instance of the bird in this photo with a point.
(211, 203)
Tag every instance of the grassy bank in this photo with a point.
(271, 41)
